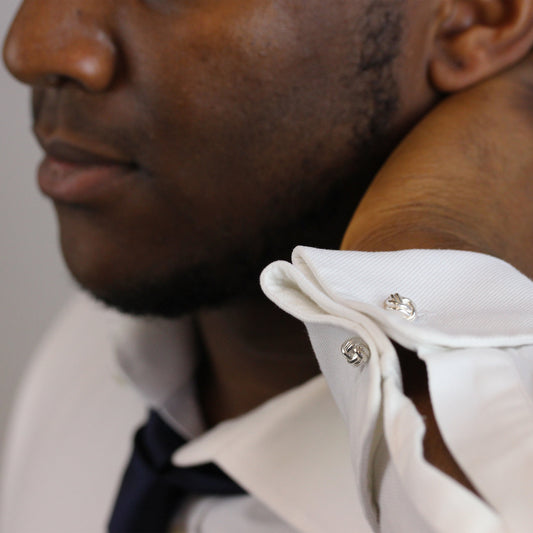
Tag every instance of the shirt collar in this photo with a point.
(291, 453)
(159, 358)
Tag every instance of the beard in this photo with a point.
(318, 218)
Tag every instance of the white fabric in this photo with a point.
(474, 329)
(308, 466)
(70, 430)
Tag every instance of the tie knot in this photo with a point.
(158, 441)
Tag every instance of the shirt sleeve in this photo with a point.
(469, 317)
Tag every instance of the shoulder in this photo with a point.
(71, 425)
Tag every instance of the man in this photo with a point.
(187, 146)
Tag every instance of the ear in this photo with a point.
(477, 38)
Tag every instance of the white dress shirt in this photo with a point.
(310, 463)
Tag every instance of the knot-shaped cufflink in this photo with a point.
(356, 351)
(401, 305)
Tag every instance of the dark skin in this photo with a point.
(408, 206)
(211, 113)
(264, 104)
(471, 190)
(263, 114)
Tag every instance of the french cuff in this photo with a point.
(467, 305)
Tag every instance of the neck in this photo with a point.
(252, 352)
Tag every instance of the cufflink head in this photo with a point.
(356, 351)
(401, 305)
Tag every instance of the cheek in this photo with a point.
(239, 71)
(248, 117)
(417, 95)
(238, 123)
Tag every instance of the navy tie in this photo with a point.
(152, 488)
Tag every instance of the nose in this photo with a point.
(53, 41)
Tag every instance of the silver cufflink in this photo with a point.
(401, 305)
(356, 351)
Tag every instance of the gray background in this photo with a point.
(33, 281)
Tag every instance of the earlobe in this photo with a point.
(478, 38)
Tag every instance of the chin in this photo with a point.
(136, 280)
(181, 292)
(170, 298)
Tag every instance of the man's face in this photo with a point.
(191, 142)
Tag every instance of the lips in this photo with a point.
(75, 174)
